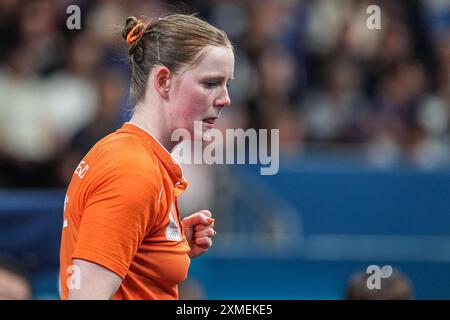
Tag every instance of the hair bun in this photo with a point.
(134, 28)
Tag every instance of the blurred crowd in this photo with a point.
(313, 69)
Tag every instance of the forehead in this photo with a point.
(213, 60)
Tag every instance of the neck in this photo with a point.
(153, 121)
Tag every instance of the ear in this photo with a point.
(163, 81)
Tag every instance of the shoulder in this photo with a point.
(126, 158)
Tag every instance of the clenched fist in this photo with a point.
(198, 229)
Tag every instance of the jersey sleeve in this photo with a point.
(117, 215)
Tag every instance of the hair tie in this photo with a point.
(134, 33)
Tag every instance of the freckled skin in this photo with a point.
(200, 92)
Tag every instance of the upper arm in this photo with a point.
(94, 283)
(115, 221)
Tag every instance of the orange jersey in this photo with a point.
(121, 212)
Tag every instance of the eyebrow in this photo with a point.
(219, 76)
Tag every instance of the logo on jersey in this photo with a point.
(173, 233)
(81, 170)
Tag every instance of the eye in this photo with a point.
(210, 84)
(228, 84)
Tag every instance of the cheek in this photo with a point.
(193, 105)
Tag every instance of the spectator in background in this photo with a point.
(393, 130)
(330, 113)
(109, 84)
(433, 112)
(396, 287)
(14, 284)
(42, 102)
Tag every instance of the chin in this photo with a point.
(206, 137)
(200, 132)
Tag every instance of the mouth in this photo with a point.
(209, 122)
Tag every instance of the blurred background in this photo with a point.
(364, 119)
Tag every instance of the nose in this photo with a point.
(224, 100)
